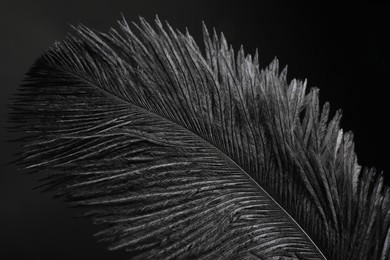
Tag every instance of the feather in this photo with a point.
(187, 153)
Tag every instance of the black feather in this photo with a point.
(190, 155)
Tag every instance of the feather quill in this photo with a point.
(188, 153)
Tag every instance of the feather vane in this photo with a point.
(188, 153)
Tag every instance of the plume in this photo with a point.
(189, 153)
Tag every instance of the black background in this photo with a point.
(343, 50)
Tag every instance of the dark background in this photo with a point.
(342, 50)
